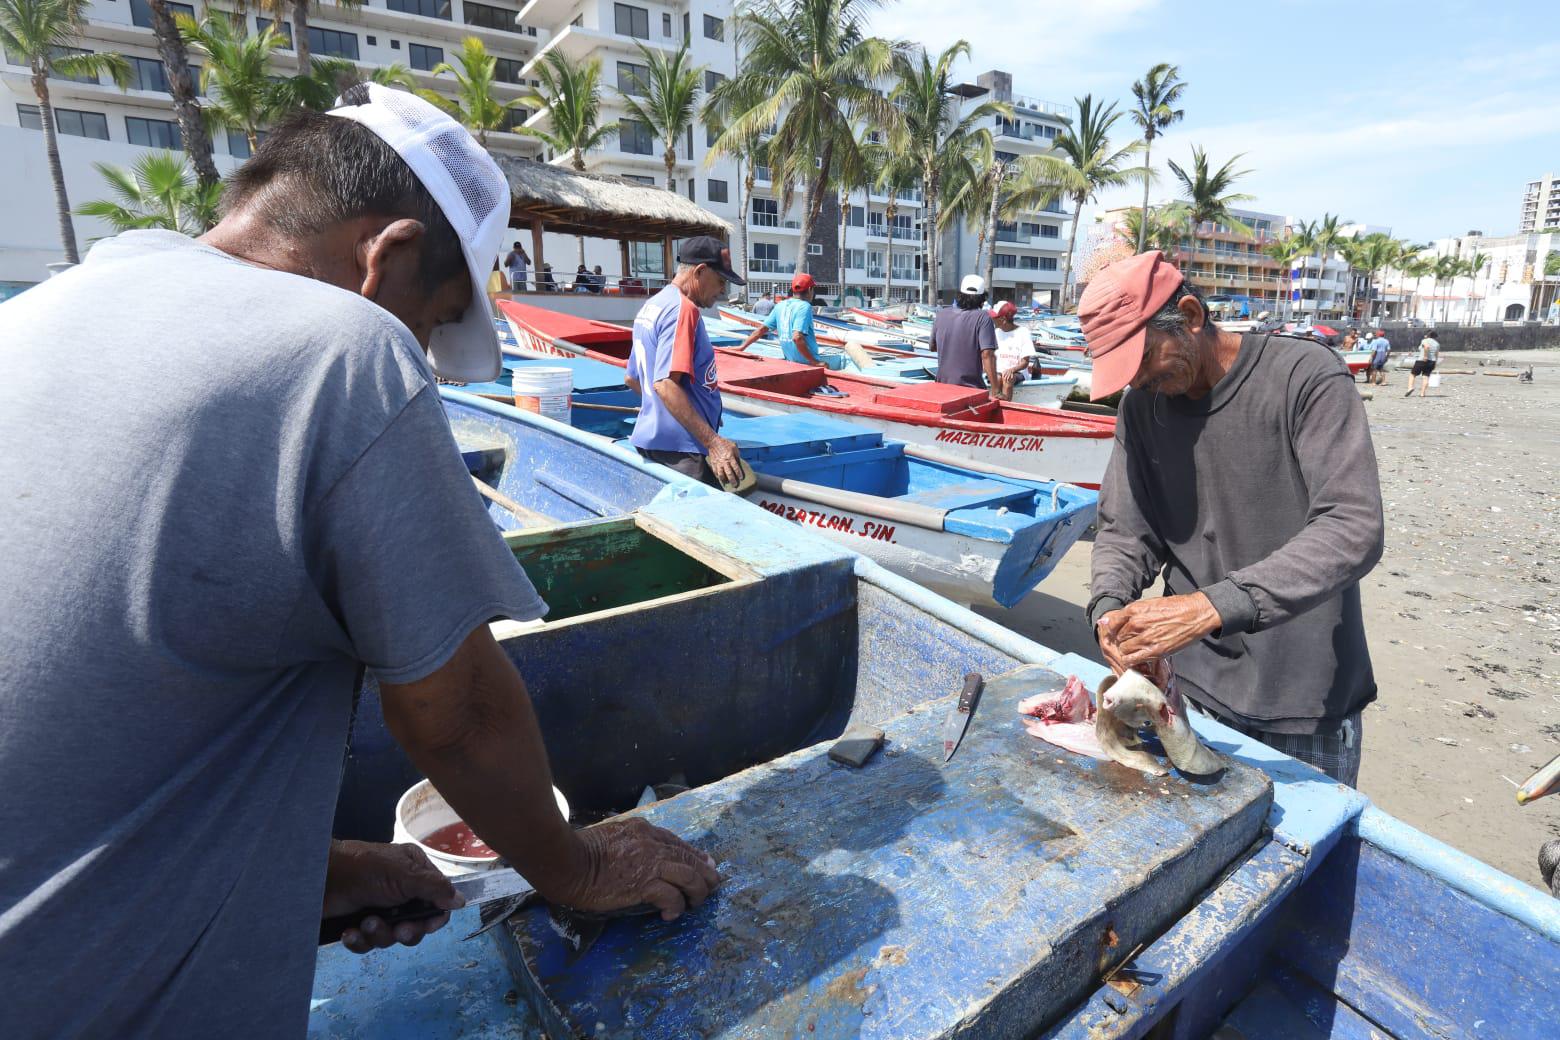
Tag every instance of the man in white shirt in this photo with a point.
(1015, 348)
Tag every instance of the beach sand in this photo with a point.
(1463, 612)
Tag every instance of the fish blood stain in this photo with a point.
(457, 839)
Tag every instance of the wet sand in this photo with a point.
(1463, 612)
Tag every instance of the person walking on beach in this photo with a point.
(1243, 474)
(672, 367)
(1380, 351)
(517, 264)
(964, 339)
(765, 304)
(791, 320)
(1015, 348)
(190, 604)
(1424, 365)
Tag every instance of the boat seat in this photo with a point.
(942, 398)
(975, 493)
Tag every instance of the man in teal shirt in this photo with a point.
(792, 323)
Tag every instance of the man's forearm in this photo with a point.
(988, 361)
(676, 400)
(470, 729)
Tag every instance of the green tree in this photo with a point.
(1162, 230)
(1476, 267)
(808, 74)
(318, 89)
(895, 171)
(38, 33)
(1328, 233)
(1155, 95)
(1208, 195)
(1447, 269)
(193, 132)
(1286, 250)
(571, 95)
(1085, 163)
(1418, 268)
(236, 78)
(158, 191)
(943, 142)
(671, 102)
(1377, 252)
(1549, 271)
(749, 148)
(475, 104)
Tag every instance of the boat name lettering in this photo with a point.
(536, 345)
(831, 521)
(1004, 441)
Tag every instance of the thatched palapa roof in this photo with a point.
(598, 205)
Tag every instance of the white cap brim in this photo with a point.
(467, 351)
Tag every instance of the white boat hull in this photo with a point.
(1072, 460)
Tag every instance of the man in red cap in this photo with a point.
(1243, 472)
(791, 321)
(1015, 348)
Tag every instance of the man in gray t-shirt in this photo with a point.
(229, 488)
(965, 339)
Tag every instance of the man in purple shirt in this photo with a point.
(672, 366)
(965, 339)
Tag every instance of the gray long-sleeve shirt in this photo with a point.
(1264, 495)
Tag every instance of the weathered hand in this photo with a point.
(629, 861)
(725, 461)
(1154, 628)
(363, 874)
(1105, 633)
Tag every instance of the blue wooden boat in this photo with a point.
(1014, 891)
(977, 538)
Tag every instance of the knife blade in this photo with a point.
(958, 720)
(478, 888)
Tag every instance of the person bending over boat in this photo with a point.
(1242, 471)
(672, 367)
(965, 339)
(269, 502)
(791, 320)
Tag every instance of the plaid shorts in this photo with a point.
(1335, 752)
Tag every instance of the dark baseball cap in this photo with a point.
(712, 252)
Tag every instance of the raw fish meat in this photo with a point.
(1064, 718)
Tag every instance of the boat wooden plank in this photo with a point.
(908, 899)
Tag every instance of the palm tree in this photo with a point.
(159, 191)
(236, 77)
(300, 20)
(318, 89)
(1327, 234)
(1418, 268)
(193, 133)
(895, 172)
(1208, 198)
(1155, 94)
(1085, 164)
(1286, 251)
(1551, 269)
(941, 140)
(671, 103)
(808, 75)
(34, 33)
(475, 104)
(1476, 265)
(571, 94)
(1447, 268)
(1162, 229)
(1375, 252)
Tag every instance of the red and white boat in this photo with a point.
(961, 423)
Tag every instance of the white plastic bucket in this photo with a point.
(423, 810)
(544, 390)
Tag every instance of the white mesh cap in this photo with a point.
(473, 194)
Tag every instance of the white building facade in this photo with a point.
(1540, 205)
(1511, 287)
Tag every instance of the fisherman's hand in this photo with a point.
(362, 874)
(1152, 628)
(725, 460)
(627, 862)
(1105, 635)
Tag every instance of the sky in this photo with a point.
(1425, 118)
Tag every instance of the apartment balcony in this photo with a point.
(763, 265)
(578, 43)
(547, 12)
(771, 222)
(902, 232)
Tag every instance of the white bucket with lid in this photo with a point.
(543, 389)
(422, 810)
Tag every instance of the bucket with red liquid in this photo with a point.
(425, 819)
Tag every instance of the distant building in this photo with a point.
(1540, 204)
(1510, 287)
(1228, 264)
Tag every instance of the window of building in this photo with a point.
(56, 53)
(141, 12)
(1050, 231)
(687, 33)
(373, 41)
(715, 190)
(631, 21)
(856, 217)
(423, 57)
(486, 16)
(1029, 263)
(712, 80)
(508, 70)
(690, 191)
(285, 30)
(395, 45)
(148, 74)
(856, 259)
(635, 137)
(512, 118)
(766, 213)
(1048, 263)
(633, 79)
(333, 42)
(711, 135)
(639, 178)
(814, 249)
(153, 133)
(1005, 260)
(427, 8)
(714, 28)
(66, 121)
(766, 257)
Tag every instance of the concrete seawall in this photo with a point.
(1479, 337)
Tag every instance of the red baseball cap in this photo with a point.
(1114, 313)
(1005, 309)
(801, 282)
